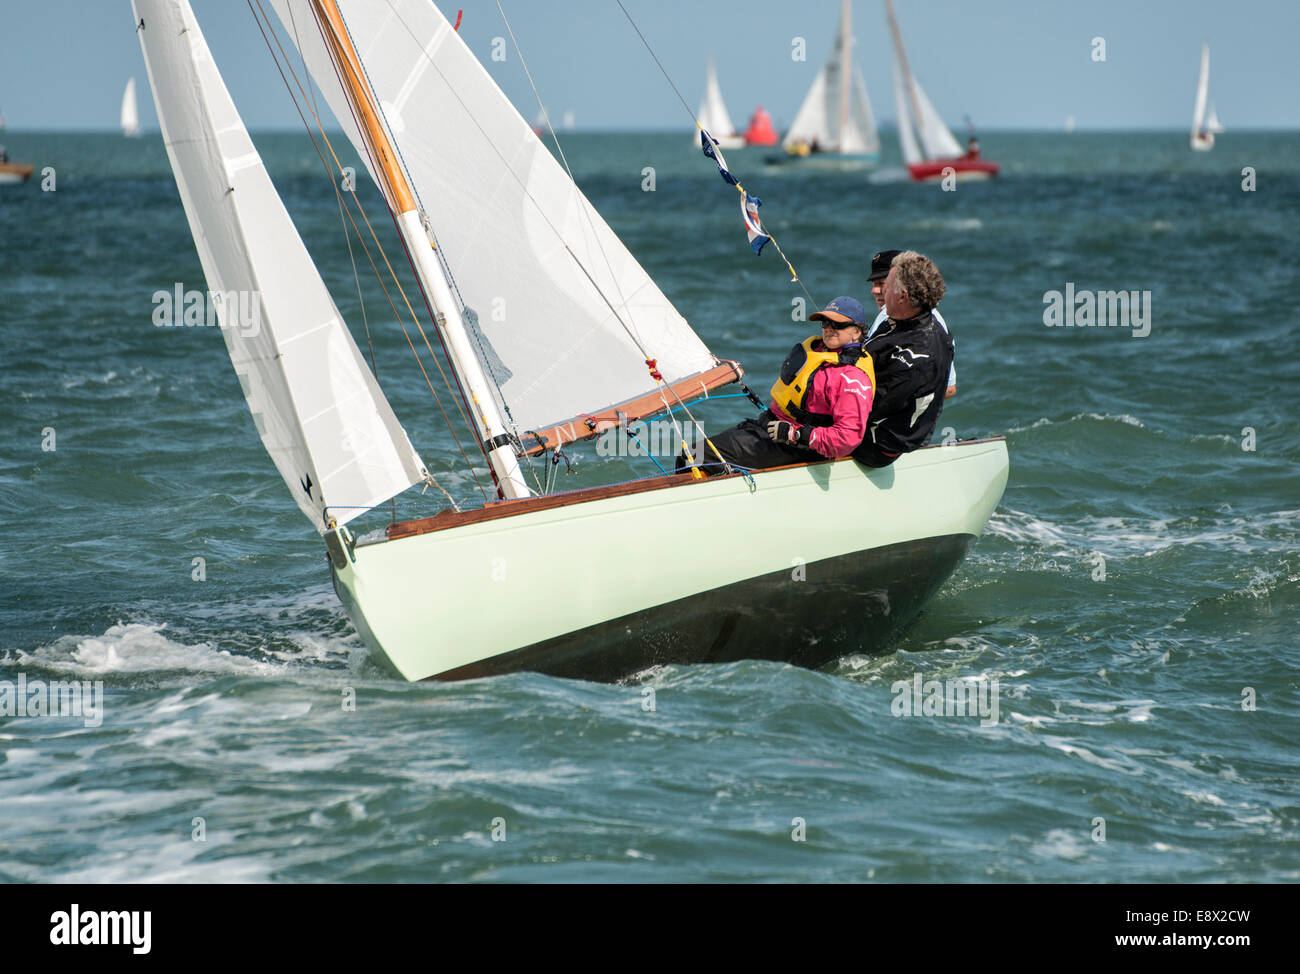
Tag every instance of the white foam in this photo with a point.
(1061, 844)
(138, 648)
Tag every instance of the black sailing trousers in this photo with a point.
(748, 445)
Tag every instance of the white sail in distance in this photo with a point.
(1212, 123)
(849, 128)
(1202, 90)
(937, 139)
(918, 120)
(550, 292)
(906, 132)
(714, 117)
(130, 115)
(315, 403)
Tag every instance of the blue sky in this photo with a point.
(1006, 63)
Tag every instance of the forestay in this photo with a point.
(550, 292)
(317, 408)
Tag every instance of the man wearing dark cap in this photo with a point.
(820, 401)
(912, 356)
(879, 271)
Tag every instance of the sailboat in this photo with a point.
(593, 583)
(835, 126)
(130, 113)
(713, 116)
(1205, 124)
(928, 145)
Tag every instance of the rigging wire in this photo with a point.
(794, 277)
(361, 239)
(630, 326)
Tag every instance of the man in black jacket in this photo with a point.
(912, 355)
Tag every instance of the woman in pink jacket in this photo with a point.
(820, 401)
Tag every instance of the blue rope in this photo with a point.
(647, 452)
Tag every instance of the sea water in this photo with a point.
(1130, 615)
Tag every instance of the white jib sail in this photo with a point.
(1212, 123)
(1202, 89)
(317, 408)
(549, 290)
(714, 117)
(811, 121)
(819, 116)
(906, 134)
(130, 113)
(936, 138)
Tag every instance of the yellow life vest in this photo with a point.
(796, 379)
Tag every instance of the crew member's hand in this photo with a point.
(783, 432)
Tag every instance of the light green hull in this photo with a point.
(442, 601)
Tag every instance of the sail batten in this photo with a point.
(315, 404)
(531, 261)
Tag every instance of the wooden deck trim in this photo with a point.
(526, 505)
(585, 427)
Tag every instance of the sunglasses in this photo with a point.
(839, 325)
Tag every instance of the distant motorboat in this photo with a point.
(835, 127)
(760, 130)
(130, 112)
(930, 150)
(714, 117)
(1205, 124)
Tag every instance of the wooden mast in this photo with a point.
(397, 192)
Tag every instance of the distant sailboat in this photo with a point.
(1205, 125)
(835, 118)
(130, 113)
(928, 145)
(714, 117)
(1069, 123)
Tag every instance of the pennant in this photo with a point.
(749, 211)
(710, 146)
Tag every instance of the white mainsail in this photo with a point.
(130, 117)
(714, 117)
(316, 405)
(1202, 90)
(549, 290)
(836, 112)
(922, 131)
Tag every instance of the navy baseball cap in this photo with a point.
(845, 310)
(880, 264)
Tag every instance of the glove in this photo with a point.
(783, 432)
